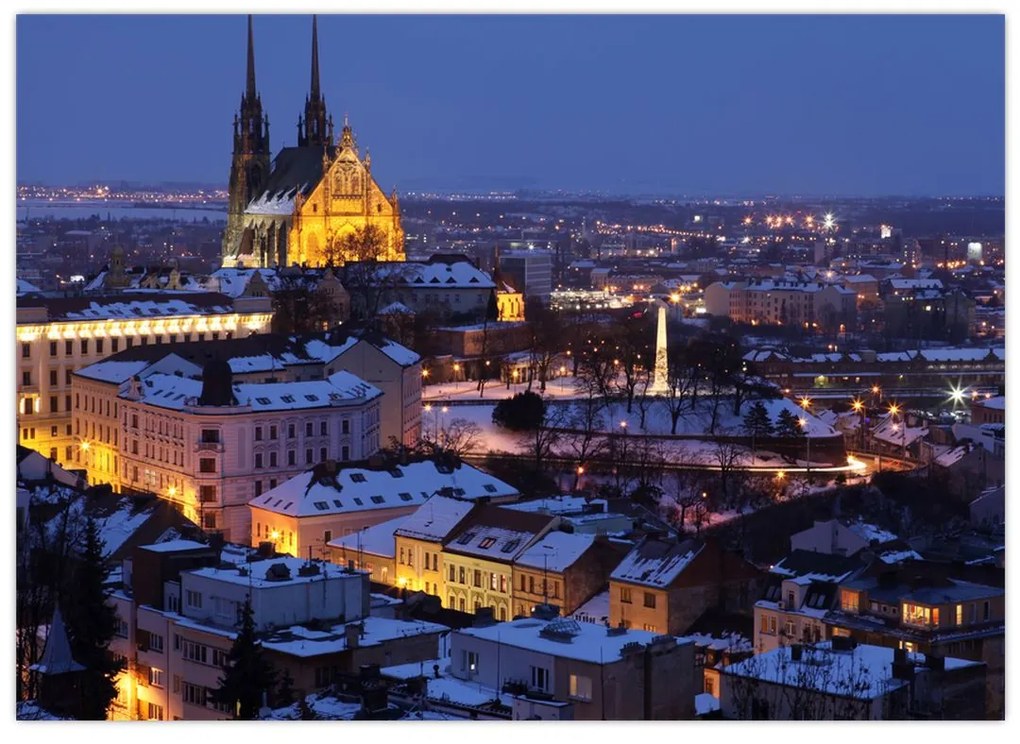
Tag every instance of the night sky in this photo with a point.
(728, 105)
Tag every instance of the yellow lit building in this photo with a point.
(419, 561)
(478, 558)
(346, 203)
(56, 336)
(319, 204)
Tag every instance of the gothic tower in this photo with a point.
(249, 168)
(315, 129)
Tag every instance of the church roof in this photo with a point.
(295, 169)
(56, 657)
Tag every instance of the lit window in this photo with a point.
(580, 687)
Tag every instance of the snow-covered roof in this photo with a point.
(435, 519)
(355, 489)
(256, 572)
(302, 642)
(563, 505)
(656, 563)
(396, 308)
(171, 546)
(557, 551)
(233, 281)
(23, 287)
(871, 533)
(341, 388)
(376, 540)
(865, 672)
(135, 308)
(112, 370)
(583, 641)
(595, 610)
(998, 402)
(436, 275)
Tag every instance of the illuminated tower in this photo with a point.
(249, 167)
(316, 128)
(660, 372)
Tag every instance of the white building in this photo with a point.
(605, 673)
(210, 445)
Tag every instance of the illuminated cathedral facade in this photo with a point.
(315, 204)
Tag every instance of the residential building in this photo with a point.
(799, 591)
(564, 569)
(929, 608)
(58, 335)
(842, 680)
(478, 558)
(663, 586)
(179, 611)
(210, 445)
(332, 500)
(419, 541)
(604, 673)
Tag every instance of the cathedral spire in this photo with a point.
(316, 128)
(250, 88)
(315, 58)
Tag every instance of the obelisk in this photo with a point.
(659, 373)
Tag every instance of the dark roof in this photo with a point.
(801, 562)
(489, 515)
(295, 167)
(60, 307)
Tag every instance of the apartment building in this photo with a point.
(601, 673)
(210, 445)
(663, 586)
(929, 608)
(843, 680)
(799, 591)
(178, 616)
(58, 335)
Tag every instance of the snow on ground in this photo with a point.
(687, 451)
(705, 703)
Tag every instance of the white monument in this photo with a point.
(659, 384)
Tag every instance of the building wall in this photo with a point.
(170, 452)
(295, 535)
(400, 409)
(49, 352)
(489, 592)
(346, 199)
(628, 606)
(410, 558)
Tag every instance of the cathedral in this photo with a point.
(315, 204)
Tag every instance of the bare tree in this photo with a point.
(458, 437)
(681, 385)
(540, 441)
(726, 454)
(802, 682)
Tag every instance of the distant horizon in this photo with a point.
(482, 191)
(842, 106)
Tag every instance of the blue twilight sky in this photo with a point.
(819, 105)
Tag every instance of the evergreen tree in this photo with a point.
(523, 412)
(285, 691)
(91, 625)
(788, 425)
(247, 674)
(757, 422)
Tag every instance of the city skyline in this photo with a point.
(923, 117)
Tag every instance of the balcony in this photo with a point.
(208, 447)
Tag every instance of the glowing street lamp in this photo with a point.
(805, 403)
(956, 395)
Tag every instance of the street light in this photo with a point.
(807, 441)
(805, 402)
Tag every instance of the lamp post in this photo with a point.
(807, 441)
